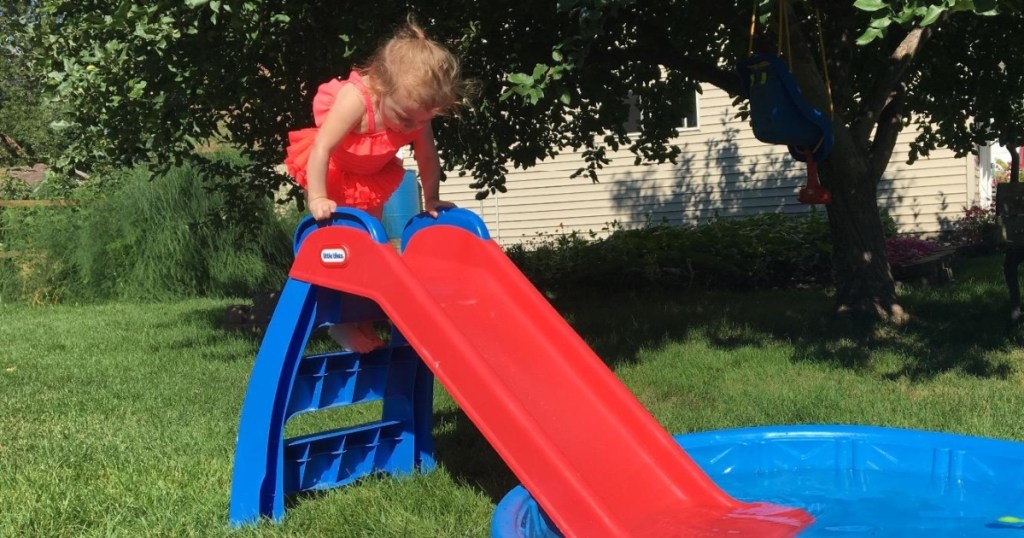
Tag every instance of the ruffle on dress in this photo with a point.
(300, 143)
(344, 186)
(324, 98)
(363, 170)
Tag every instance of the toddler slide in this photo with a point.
(591, 455)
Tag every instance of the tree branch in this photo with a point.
(885, 87)
(11, 145)
(658, 47)
(728, 81)
(661, 53)
(890, 123)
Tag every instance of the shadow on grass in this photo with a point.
(210, 340)
(468, 457)
(198, 333)
(962, 326)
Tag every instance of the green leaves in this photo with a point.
(24, 109)
(525, 86)
(920, 13)
(870, 35)
(520, 79)
(931, 15)
(870, 5)
(531, 87)
(140, 81)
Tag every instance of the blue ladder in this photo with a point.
(285, 383)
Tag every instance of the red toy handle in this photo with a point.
(813, 192)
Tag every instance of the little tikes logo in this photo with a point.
(334, 256)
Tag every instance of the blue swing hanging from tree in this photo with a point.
(779, 114)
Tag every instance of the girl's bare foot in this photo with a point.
(358, 337)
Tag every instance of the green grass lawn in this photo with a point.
(120, 419)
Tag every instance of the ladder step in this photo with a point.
(338, 457)
(344, 378)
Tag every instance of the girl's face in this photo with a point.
(403, 116)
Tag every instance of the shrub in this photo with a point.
(906, 250)
(769, 250)
(889, 226)
(147, 238)
(974, 226)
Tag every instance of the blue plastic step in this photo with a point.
(338, 457)
(344, 378)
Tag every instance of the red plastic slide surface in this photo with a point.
(593, 457)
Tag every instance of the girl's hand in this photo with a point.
(431, 206)
(322, 208)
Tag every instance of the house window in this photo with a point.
(689, 119)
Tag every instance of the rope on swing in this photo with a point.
(812, 192)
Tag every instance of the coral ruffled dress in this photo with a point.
(363, 171)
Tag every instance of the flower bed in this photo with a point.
(906, 250)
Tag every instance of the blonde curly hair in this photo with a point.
(417, 69)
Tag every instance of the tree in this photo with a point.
(155, 80)
(24, 112)
(963, 119)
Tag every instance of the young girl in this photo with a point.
(349, 158)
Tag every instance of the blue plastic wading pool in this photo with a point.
(854, 480)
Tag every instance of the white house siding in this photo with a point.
(723, 170)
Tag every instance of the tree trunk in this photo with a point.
(864, 283)
(1015, 163)
(11, 146)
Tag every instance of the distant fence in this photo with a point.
(31, 203)
(37, 203)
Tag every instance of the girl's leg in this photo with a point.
(360, 337)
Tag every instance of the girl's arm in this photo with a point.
(429, 165)
(346, 114)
